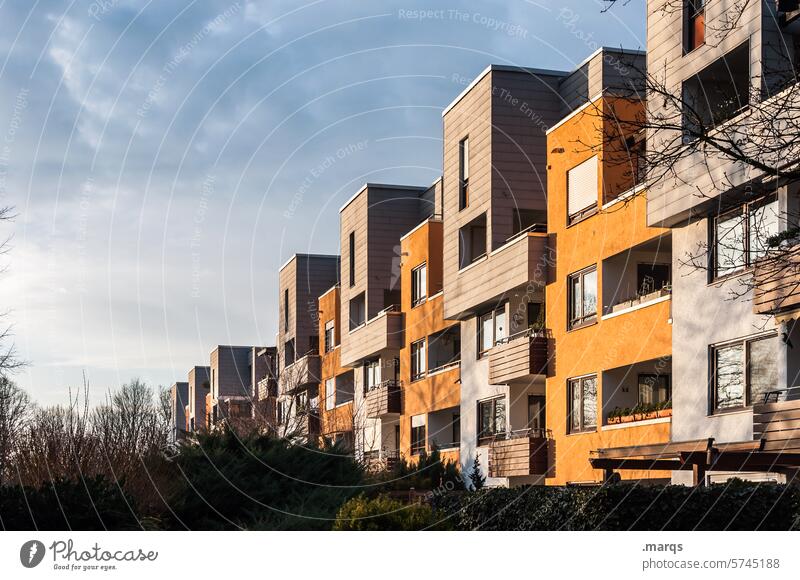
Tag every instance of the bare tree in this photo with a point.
(9, 360)
(15, 414)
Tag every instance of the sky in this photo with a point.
(165, 158)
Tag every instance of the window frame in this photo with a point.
(495, 339)
(372, 368)
(418, 368)
(419, 282)
(744, 213)
(330, 341)
(418, 444)
(694, 9)
(589, 210)
(352, 256)
(463, 173)
(746, 367)
(330, 394)
(485, 439)
(576, 322)
(667, 386)
(583, 428)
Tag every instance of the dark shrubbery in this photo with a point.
(736, 505)
(261, 482)
(89, 504)
(385, 513)
(428, 473)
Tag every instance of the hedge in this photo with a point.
(384, 513)
(736, 505)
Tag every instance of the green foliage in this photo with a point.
(476, 478)
(736, 505)
(640, 409)
(89, 504)
(775, 240)
(428, 473)
(261, 482)
(385, 513)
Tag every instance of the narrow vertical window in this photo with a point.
(286, 310)
(417, 434)
(463, 173)
(352, 257)
(418, 359)
(419, 285)
(582, 288)
(582, 404)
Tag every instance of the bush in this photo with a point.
(736, 505)
(428, 473)
(385, 513)
(261, 482)
(89, 504)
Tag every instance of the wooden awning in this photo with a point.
(699, 456)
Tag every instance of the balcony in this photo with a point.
(302, 373)
(776, 420)
(384, 399)
(384, 331)
(776, 281)
(378, 460)
(519, 358)
(522, 260)
(308, 423)
(521, 453)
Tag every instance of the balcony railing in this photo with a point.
(639, 300)
(776, 281)
(519, 453)
(381, 459)
(384, 399)
(382, 331)
(303, 372)
(520, 357)
(776, 420)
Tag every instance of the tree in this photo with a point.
(476, 478)
(15, 413)
(9, 361)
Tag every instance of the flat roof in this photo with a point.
(299, 255)
(382, 186)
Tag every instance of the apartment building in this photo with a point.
(199, 388)
(264, 385)
(231, 391)
(609, 296)
(371, 224)
(302, 279)
(431, 352)
(727, 351)
(178, 408)
(337, 383)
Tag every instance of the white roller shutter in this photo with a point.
(582, 186)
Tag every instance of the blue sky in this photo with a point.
(164, 158)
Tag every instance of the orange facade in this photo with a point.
(336, 419)
(630, 334)
(435, 393)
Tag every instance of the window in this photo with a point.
(695, 24)
(491, 329)
(653, 388)
(472, 241)
(345, 388)
(286, 310)
(280, 413)
(358, 314)
(289, 353)
(744, 371)
(444, 348)
(417, 434)
(372, 374)
(456, 429)
(352, 257)
(330, 337)
(583, 297)
(740, 236)
(419, 285)
(534, 220)
(463, 174)
(491, 420)
(536, 412)
(535, 315)
(418, 359)
(330, 394)
(583, 404)
(582, 190)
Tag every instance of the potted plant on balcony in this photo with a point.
(641, 412)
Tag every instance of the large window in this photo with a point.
(345, 388)
(740, 236)
(330, 338)
(491, 329)
(583, 404)
(289, 354)
(352, 258)
(463, 173)
(358, 311)
(653, 388)
(444, 348)
(491, 420)
(582, 188)
(472, 241)
(418, 359)
(417, 434)
(419, 285)
(582, 297)
(743, 371)
(372, 374)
